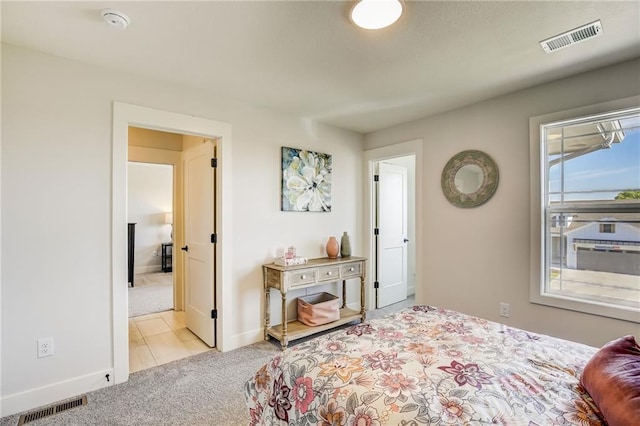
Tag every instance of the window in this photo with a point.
(607, 228)
(589, 185)
(560, 220)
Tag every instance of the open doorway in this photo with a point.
(393, 202)
(156, 189)
(394, 226)
(150, 213)
(394, 230)
(125, 116)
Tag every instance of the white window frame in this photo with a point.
(537, 226)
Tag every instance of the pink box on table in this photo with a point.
(318, 309)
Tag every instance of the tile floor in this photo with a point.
(160, 338)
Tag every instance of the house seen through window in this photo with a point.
(590, 181)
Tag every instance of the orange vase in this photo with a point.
(332, 248)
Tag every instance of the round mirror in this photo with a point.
(469, 179)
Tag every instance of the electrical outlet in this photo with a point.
(155, 253)
(504, 309)
(45, 347)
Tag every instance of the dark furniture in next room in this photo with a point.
(131, 243)
(167, 257)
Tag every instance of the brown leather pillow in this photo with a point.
(612, 378)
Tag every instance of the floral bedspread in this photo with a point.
(424, 365)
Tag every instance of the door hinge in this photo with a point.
(214, 314)
(376, 178)
(214, 162)
(214, 238)
(376, 284)
(376, 231)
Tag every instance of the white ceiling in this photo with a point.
(305, 57)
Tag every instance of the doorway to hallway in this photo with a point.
(393, 230)
(124, 116)
(161, 184)
(383, 200)
(150, 211)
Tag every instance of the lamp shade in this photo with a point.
(376, 14)
(168, 218)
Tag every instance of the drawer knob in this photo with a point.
(328, 272)
(352, 269)
(303, 276)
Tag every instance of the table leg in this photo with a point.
(362, 311)
(267, 312)
(344, 293)
(284, 340)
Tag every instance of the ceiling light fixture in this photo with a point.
(115, 18)
(376, 14)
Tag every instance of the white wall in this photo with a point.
(476, 258)
(56, 204)
(150, 191)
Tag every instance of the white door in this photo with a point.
(392, 238)
(199, 251)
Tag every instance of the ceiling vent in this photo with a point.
(572, 37)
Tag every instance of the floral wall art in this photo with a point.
(306, 181)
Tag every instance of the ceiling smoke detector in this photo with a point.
(572, 37)
(115, 18)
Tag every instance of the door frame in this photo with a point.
(372, 156)
(125, 115)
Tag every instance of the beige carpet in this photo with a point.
(205, 389)
(202, 390)
(152, 292)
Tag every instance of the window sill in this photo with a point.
(593, 308)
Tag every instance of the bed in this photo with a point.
(425, 365)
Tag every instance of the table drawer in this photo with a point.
(329, 273)
(301, 277)
(351, 270)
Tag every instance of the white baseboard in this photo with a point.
(46, 395)
(411, 290)
(244, 339)
(147, 269)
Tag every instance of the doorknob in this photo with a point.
(185, 248)
(405, 240)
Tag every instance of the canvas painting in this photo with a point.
(306, 181)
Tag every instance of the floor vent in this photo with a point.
(572, 37)
(50, 411)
